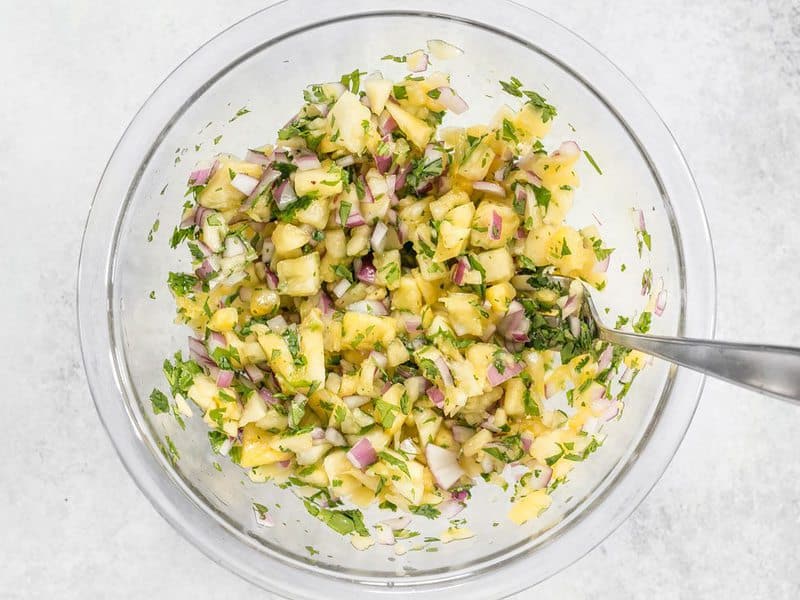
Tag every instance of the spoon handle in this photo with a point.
(773, 370)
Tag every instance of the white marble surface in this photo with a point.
(724, 520)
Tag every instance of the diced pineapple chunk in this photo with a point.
(441, 206)
(396, 353)
(464, 312)
(224, 319)
(299, 276)
(362, 331)
(477, 163)
(264, 302)
(288, 237)
(483, 225)
(254, 410)
(387, 269)
(529, 507)
(218, 193)
(258, 447)
(312, 347)
(418, 131)
(344, 123)
(407, 296)
(498, 264)
(315, 214)
(378, 92)
(428, 423)
(500, 296)
(278, 356)
(202, 392)
(322, 181)
(529, 124)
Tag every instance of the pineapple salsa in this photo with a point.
(374, 322)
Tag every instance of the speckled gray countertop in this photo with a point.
(725, 519)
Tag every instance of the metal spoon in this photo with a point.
(773, 370)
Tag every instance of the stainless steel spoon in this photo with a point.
(773, 370)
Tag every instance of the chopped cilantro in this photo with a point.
(159, 401)
(592, 162)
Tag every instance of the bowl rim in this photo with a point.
(96, 276)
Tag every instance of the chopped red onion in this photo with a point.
(574, 326)
(284, 195)
(402, 173)
(511, 370)
(443, 465)
(335, 437)
(379, 358)
(318, 433)
(198, 352)
(604, 360)
(255, 374)
(568, 149)
(661, 303)
(384, 534)
(638, 220)
(362, 454)
(409, 447)
(244, 183)
(277, 324)
(366, 272)
(340, 289)
(383, 163)
(257, 157)
(386, 123)
(627, 376)
(306, 162)
(541, 477)
(206, 269)
(451, 101)
(500, 173)
(267, 396)
(263, 518)
(369, 307)
(570, 307)
(271, 279)
(378, 239)
(413, 323)
(444, 371)
(436, 396)
(526, 439)
(412, 63)
(322, 108)
(602, 266)
(449, 508)
(325, 304)
(233, 246)
(202, 173)
(496, 228)
(216, 340)
(368, 196)
(224, 378)
(489, 187)
(460, 270)
(346, 161)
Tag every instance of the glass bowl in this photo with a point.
(263, 63)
